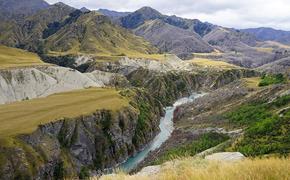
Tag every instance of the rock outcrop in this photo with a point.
(27, 83)
(226, 156)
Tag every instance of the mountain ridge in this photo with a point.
(267, 33)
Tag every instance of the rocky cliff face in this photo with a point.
(27, 83)
(77, 146)
(170, 80)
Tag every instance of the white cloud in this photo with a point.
(229, 13)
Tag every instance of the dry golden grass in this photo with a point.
(24, 117)
(267, 50)
(190, 169)
(276, 44)
(212, 63)
(215, 53)
(12, 57)
(252, 82)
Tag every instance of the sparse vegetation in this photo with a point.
(206, 141)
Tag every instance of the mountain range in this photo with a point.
(63, 30)
(269, 34)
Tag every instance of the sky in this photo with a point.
(229, 13)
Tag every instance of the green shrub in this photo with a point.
(84, 173)
(266, 131)
(272, 79)
(142, 123)
(58, 173)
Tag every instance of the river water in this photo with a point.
(166, 128)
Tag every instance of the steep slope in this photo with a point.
(137, 18)
(140, 16)
(12, 57)
(28, 83)
(269, 34)
(161, 34)
(169, 33)
(227, 39)
(18, 9)
(28, 33)
(279, 66)
(93, 33)
(193, 25)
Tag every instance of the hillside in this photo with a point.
(12, 57)
(28, 33)
(269, 34)
(18, 9)
(140, 16)
(170, 34)
(160, 34)
(93, 33)
(137, 18)
(226, 39)
(279, 66)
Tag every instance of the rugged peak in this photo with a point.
(61, 5)
(84, 9)
(138, 17)
(148, 11)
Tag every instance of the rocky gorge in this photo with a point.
(70, 147)
(92, 143)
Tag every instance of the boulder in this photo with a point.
(149, 170)
(226, 156)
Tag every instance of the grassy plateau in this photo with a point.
(24, 117)
(212, 63)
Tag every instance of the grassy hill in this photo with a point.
(28, 33)
(12, 57)
(93, 33)
(24, 117)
